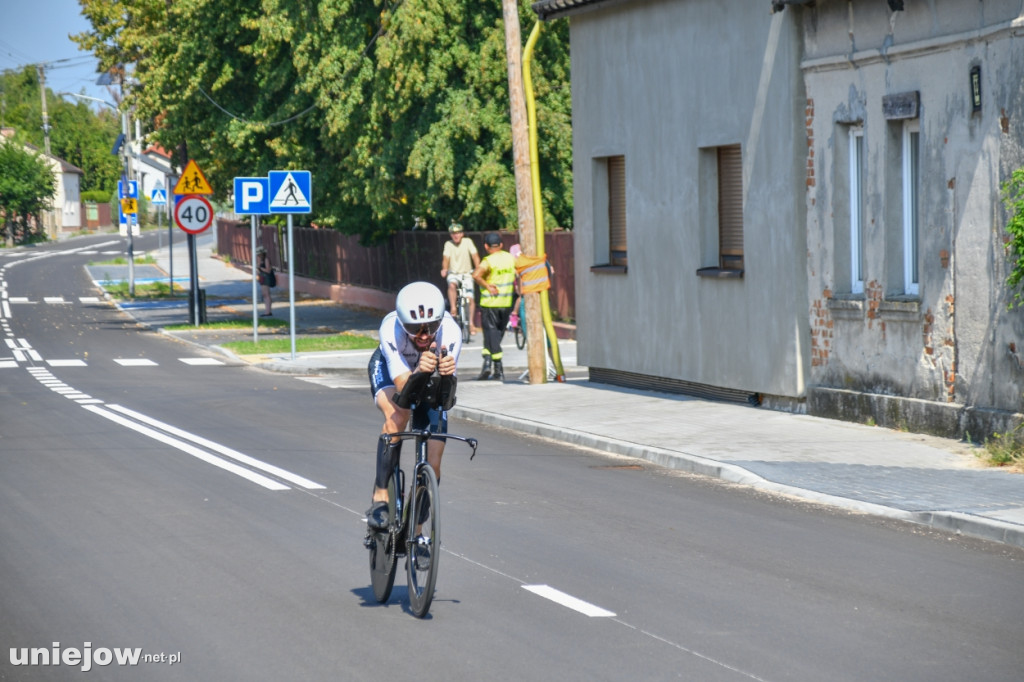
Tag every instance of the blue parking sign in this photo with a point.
(291, 192)
(252, 196)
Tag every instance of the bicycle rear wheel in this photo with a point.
(520, 333)
(425, 545)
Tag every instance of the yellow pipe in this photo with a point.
(538, 206)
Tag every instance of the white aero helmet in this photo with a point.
(419, 305)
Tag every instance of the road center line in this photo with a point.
(569, 601)
(258, 479)
(222, 449)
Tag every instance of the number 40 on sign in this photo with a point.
(193, 213)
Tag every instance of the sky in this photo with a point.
(33, 31)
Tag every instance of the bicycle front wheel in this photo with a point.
(425, 543)
(467, 324)
(520, 333)
(383, 546)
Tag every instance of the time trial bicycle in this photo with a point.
(414, 521)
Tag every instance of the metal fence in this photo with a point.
(333, 257)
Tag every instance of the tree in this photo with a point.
(400, 109)
(78, 135)
(27, 185)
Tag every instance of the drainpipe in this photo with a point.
(538, 208)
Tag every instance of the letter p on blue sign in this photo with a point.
(252, 196)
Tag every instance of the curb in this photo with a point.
(954, 522)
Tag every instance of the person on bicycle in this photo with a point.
(495, 275)
(458, 260)
(418, 336)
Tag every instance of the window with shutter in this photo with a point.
(617, 210)
(730, 208)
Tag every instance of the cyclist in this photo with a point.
(458, 260)
(418, 336)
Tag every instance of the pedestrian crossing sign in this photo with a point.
(192, 181)
(158, 197)
(290, 191)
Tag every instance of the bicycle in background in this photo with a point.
(463, 295)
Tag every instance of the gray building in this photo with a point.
(800, 201)
(914, 121)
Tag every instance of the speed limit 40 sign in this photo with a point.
(193, 213)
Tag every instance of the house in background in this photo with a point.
(153, 166)
(65, 214)
(798, 201)
(688, 161)
(915, 117)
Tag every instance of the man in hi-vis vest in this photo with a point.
(496, 278)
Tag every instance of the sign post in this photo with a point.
(158, 198)
(128, 193)
(193, 214)
(291, 192)
(252, 197)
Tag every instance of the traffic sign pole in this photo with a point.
(252, 245)
(291, 284)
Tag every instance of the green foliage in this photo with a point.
(27, 185)
(97, 196)
(400, 109)
(78, 135)
(1013, 197)
(1005, 449)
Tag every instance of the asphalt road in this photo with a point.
(210, 515)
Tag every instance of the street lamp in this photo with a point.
(125, 172)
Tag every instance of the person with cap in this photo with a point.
(458, 260)
(418, 336)
(496, 277)
(267, 278)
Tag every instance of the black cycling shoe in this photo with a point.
(377, 516)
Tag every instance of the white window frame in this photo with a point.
(911, 173)
(856, 210)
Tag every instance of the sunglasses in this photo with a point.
(428, 329)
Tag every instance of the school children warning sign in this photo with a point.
(192, 181)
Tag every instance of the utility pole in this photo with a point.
(41, 70)
(536, 353)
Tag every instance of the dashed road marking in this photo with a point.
(569, 601)
(135, 362)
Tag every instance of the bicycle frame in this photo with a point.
(403, 535)
(400, 520)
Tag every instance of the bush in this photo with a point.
(97, 196)
(1013, 197)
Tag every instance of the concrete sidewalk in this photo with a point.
(922, 479)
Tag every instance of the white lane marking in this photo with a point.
(7, 364)
(89, 401)
(569, 601)
(18, 299)
(19, 355)
(134, 362)
(201, 361)
(11, 343)
(35, 355)
(89, 299)
(66, 363)
(7, 309)
(224, 450)
(258, 479)
(54, 299)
